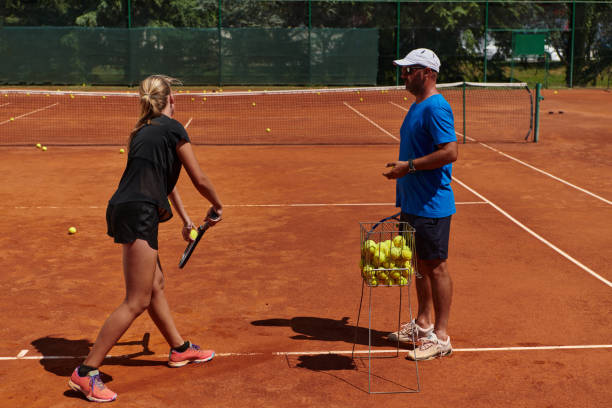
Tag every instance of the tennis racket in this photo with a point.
(201, 230)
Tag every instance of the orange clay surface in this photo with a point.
(277, 280)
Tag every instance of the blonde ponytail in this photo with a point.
(154, 91)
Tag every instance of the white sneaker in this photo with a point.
(431, 347)
(405, 332)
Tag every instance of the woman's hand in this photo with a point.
(214, 215)
(187, 229)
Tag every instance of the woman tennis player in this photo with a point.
(158, 148)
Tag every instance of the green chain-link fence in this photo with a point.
(301, 42)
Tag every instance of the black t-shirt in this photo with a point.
(153, 166)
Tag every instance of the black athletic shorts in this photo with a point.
(431, 235)
(127, 222)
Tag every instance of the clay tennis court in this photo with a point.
(275, 287)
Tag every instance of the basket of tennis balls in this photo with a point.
(387, 255)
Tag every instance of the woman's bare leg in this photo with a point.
(160, 311)
(139, 266)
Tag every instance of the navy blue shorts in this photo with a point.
(127, 222)
(431, 236)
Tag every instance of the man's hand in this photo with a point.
(397, 170)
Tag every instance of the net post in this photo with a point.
(463, 97)
(536, 130)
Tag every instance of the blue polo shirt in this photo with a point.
(426, 193)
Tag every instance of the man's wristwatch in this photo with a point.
(411, 168)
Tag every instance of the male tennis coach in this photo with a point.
(428, 146)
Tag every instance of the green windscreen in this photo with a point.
(293, 56)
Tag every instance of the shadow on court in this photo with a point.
(323, 329)
(61, 356)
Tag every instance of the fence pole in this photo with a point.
(571, 78)
(486, 32)
(130, 60)
(397, 45)
(309, 42)
(129, 13)
(219, 38)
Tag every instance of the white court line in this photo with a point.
(552, 246)
(315, 353)
(4, 104)
(29, 113)
(22, 353)
(541, 171)
(527, 165)
(257, 205)
(371, 121)
(188, 122)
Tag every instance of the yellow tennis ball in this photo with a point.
(253, 104)
(360, 99)
(72, 230)
(395, 253)
(193, 234)
(399, 241)
(44, 148)
(38, 145)
(12, 118)
(268, 130)
(405, 98)
(556, 92)
(402, 281)
(406, 253)
(122, 150)
(373, 282)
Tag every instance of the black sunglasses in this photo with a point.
(412, 68)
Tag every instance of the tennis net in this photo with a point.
(371, 115)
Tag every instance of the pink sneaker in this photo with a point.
(193, 354)
(91, 386)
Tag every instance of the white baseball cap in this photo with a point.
(420, 56)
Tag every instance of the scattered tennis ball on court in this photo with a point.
(71, 96)
(405, 98)
(38, 145)
(556, 92)
(360, 99)
(193, 234)
(268, 130)
(103, 96)
(44, 148)
(72, 230)
(193, 99)
(122, 150)
(253, 104)
(12, 118)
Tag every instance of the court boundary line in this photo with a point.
(370, 120)
(540, 171)
(534, 234)
(22, 356)
(29, 113)
(4, 104)
(526, 164)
